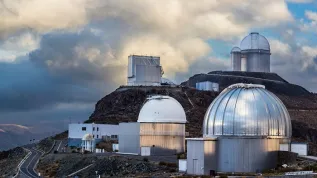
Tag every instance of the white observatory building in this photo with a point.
(160, 129)
(144, 71)
(253, 55)
(242, 132)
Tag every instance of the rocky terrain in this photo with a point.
(107, 165)
(124, 104)
(45, 144)
(272, 81)
(9, 161)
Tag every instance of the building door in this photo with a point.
(196, 167)
(145, 151)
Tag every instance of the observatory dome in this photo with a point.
(88, 137)
(247, 110)
(255, 41)
(235, 49)
(163, 109)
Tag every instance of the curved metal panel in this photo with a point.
(255, 41)
(247, 110)
(228, 118)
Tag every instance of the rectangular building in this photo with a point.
(99, 132)
(207, 86)
(144, 71)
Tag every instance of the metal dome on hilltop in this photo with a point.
(255, 41)
(247, 110)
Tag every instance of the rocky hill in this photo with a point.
(9, 161)
(272, 81)
(124, 104)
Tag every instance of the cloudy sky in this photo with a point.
(58, 57)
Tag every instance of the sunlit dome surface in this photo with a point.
(247, 110)
(164, 109)
(255, 41)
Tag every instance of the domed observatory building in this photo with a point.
(160, 129)
(255, 53)
(242, 131)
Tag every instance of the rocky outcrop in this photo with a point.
(9, 161)
(272, 81)
(107, 166)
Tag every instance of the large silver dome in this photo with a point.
(255, 41)
(247, 110)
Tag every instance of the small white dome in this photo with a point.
(255, 41)
(164, 109)
(88, 137)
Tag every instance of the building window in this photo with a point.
(97, 136)
(93, 136)
(83, 128)
(114, 136)
(97, 128)
(93, 129)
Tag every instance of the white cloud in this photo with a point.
(178, 30)
(279, 48)
(42, 16)
(309, 54)
(175, 57)
(175, 30)
(16, 46)
(25, 42)
(311, 15)
(312, 24)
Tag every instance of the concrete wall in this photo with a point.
(77, 142)
(98, 130)
(247, 154)
(210, 152)
(129, 137)
(299, 148)
(163, 138)
(195, 157)
(236, 61)
(257, 62)
(229, 154)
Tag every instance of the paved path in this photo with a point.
(59, 145)
(313, 158)
(27, 169)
